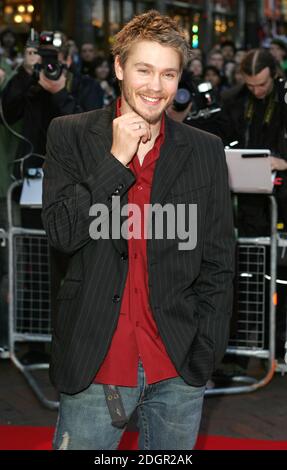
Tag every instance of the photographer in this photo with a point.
(197, 106)
(257, 113)
(37, 98)
(257, 117)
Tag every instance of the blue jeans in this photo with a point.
(169, 414)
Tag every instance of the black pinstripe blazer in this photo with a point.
(190, 292)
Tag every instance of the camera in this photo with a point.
(49, 44)
(201, 96)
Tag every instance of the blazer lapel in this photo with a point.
(100, 135)
(99, 140)
(173, 155)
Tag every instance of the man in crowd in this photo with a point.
(88, 56)
(228, 50)
(216, 59)
(257, 114)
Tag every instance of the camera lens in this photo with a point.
(52, 71)
(182, 99)
(182, 96)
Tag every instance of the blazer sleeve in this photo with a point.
(67, 197)
(214, 286)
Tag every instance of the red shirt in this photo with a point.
(136, 334)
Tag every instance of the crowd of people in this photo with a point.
(88, 83)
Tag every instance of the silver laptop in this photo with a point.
(249, 170)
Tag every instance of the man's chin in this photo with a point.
(154, 120)
(151, 118)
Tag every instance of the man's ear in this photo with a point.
(118, 68)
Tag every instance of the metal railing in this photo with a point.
(29, 294)
(252, 321)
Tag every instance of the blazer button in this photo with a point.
(121, 186)
(116, 191)
(124, 256)
(116, 298)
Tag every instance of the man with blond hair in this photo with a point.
(143, 318)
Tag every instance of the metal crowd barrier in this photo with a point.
(29, 294)
(4, 353)
(30, 300)
(252, 321)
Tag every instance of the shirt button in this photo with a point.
(140, 187)
(116, 298)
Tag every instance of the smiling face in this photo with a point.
(149, 79)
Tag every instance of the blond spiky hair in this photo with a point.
(151, 26)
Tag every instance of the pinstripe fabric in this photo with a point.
(190, 291)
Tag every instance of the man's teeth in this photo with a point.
(153, 100)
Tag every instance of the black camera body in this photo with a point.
(48, 50)
(201, 96)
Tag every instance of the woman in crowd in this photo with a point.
(103, 74)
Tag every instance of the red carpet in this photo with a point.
(40, 438)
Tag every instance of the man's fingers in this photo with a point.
(144, 140)
(139, 125)
(135, 123)
(141, 134)
(143, 131)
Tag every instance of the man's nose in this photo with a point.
(156, 84)
(257, 92)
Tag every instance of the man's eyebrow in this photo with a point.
(257, 84)
(151, 66)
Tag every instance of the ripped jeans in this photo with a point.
(169, 414)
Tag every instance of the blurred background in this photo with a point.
(248, 23)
